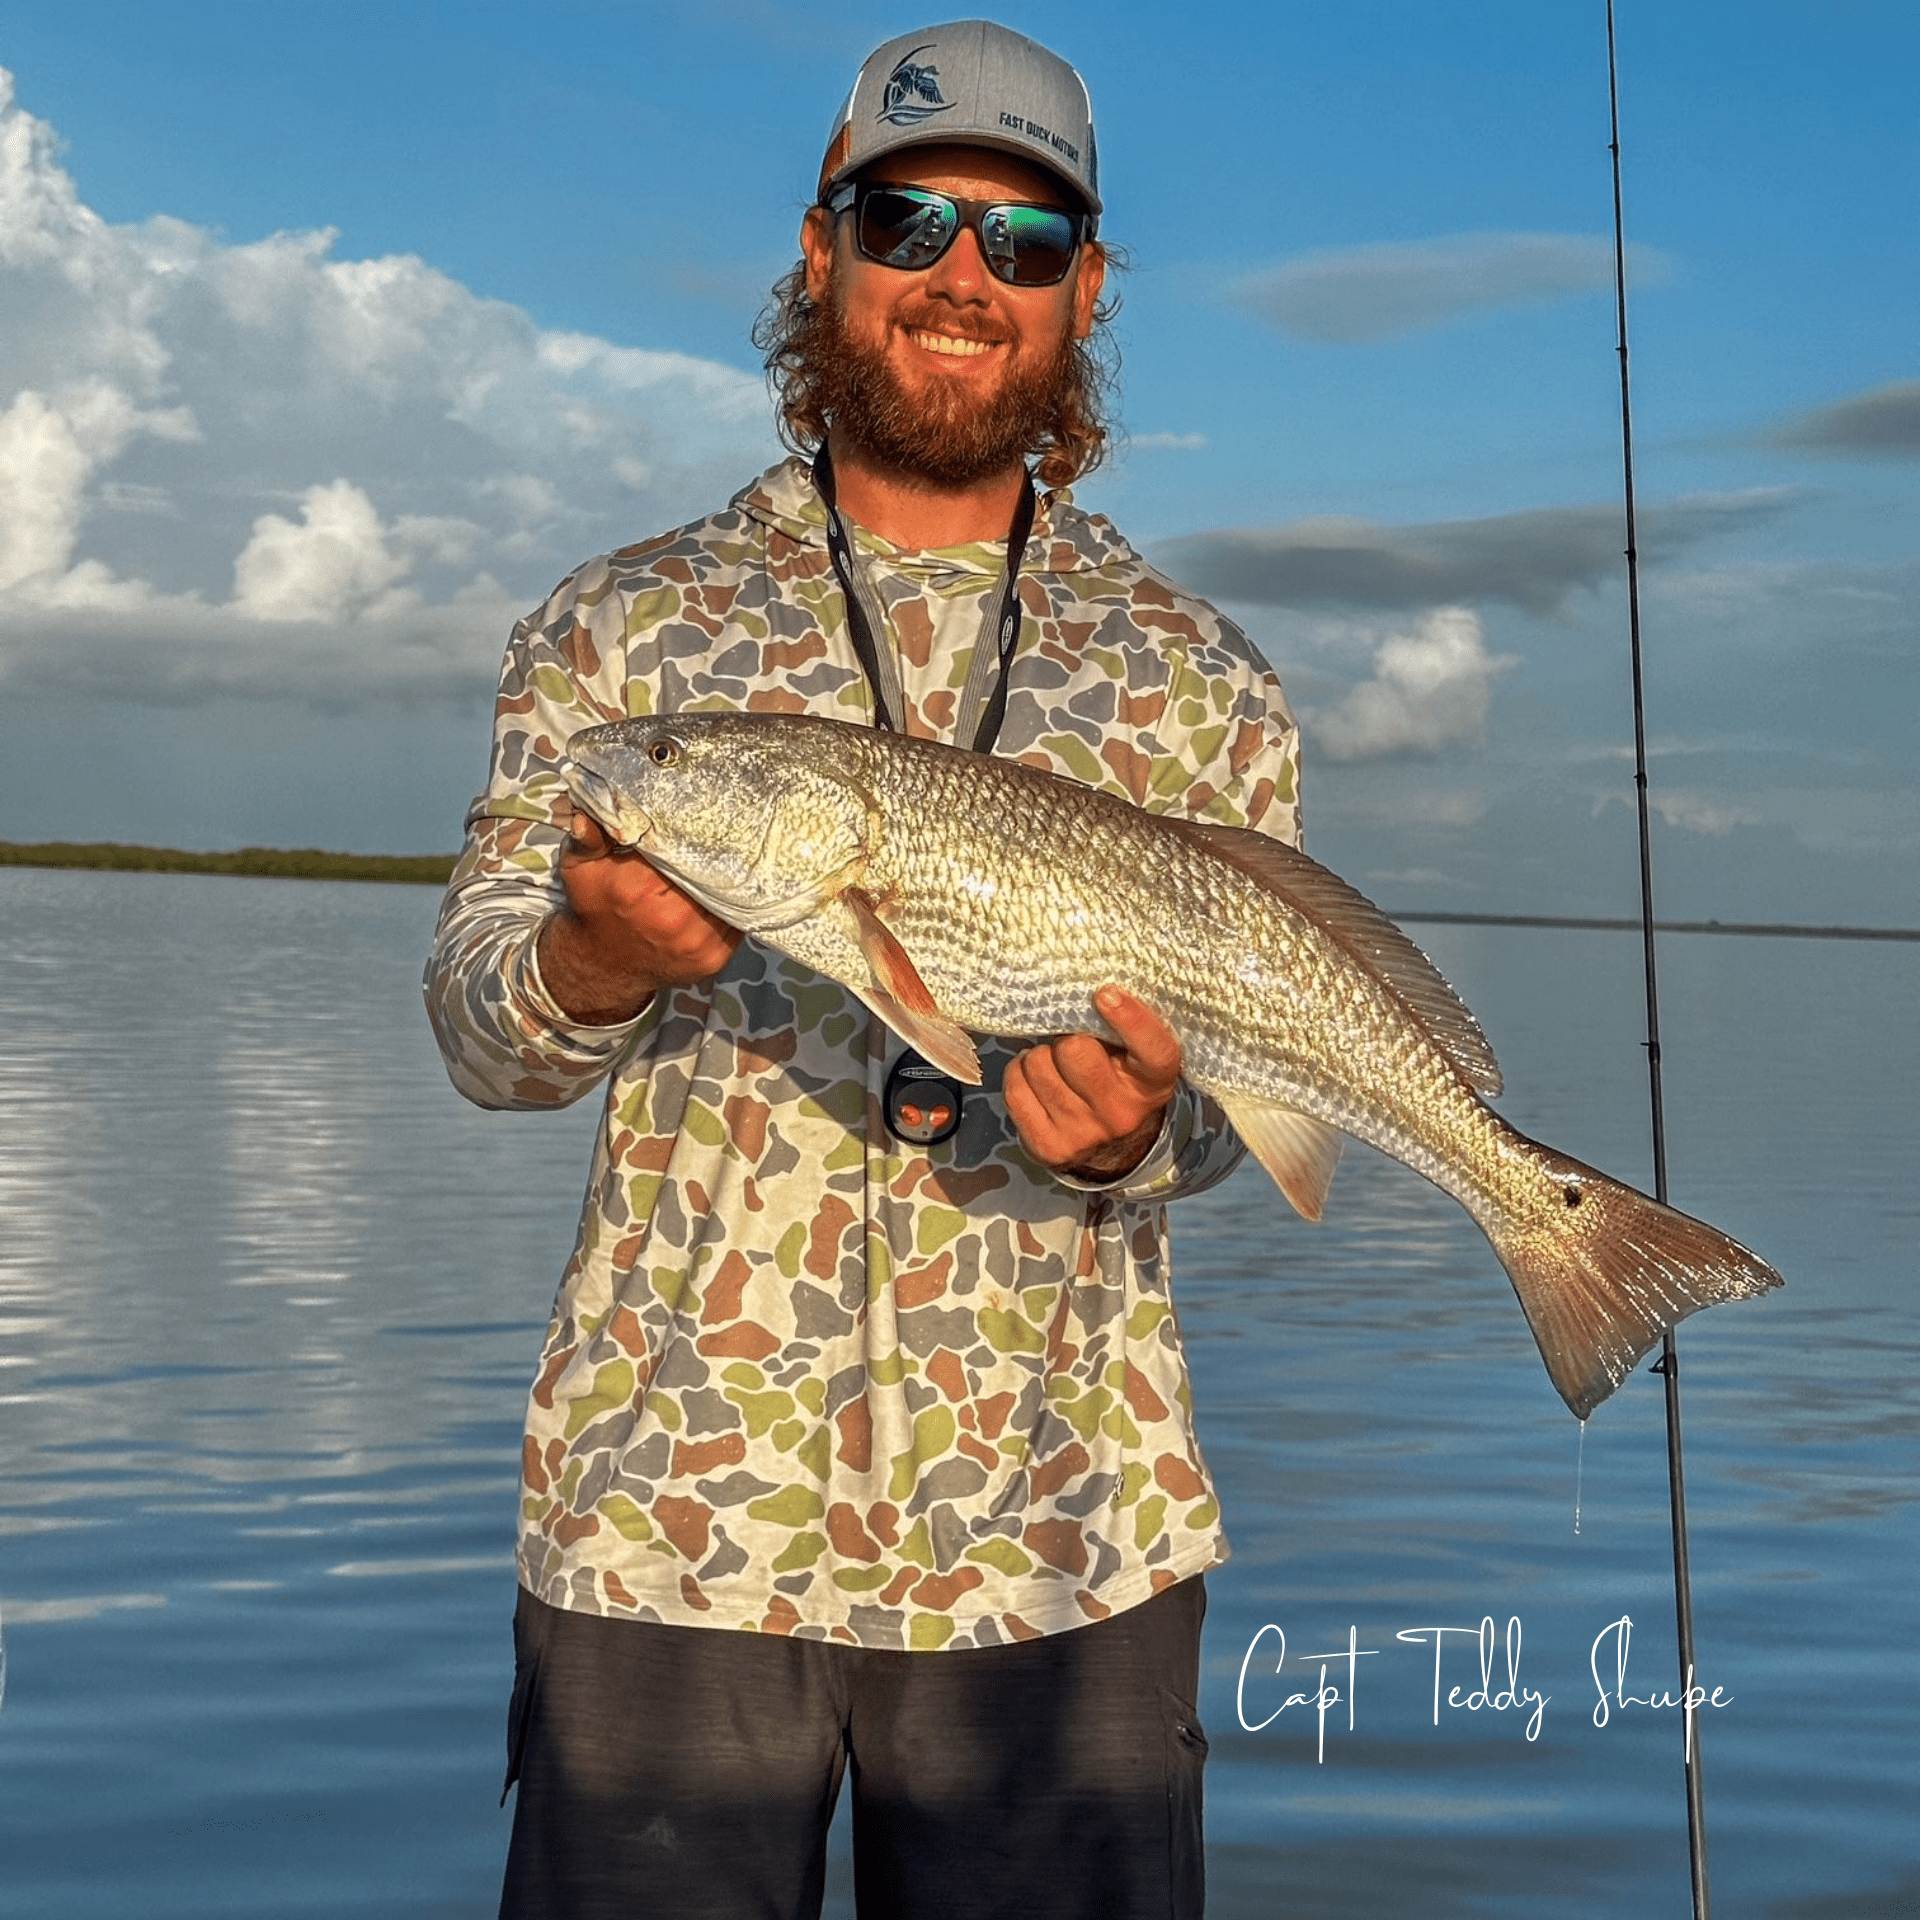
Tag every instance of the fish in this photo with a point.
(958, 893)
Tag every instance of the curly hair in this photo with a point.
(793, 332)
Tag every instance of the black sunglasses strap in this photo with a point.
(1005, 620)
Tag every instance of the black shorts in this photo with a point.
(692, 1773)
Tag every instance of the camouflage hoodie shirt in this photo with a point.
(801, 1377)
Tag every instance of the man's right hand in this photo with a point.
(625, 932)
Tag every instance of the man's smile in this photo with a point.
(955, 346)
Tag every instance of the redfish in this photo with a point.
(953, 891)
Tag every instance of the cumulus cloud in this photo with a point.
(1882, 423)
(1351, 295)
(49, 450)
(43, 474)
(1534, 560)
(1430, 690)
(262, 468)
(332, 563)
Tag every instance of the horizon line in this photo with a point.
(274, 863)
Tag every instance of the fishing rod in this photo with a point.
(1668, 1365)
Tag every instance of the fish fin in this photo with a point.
(900, 997)
(1299, 1151)
(1607, 1272)
(1366, 933)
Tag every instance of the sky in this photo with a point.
(331, 338)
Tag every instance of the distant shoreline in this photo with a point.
(1766, 929)
(433, 870)
(258, 863)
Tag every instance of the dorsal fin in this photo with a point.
(1366, 933)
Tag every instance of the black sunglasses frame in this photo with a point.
(971, 215)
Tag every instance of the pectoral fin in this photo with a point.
(1299, 1151)
(900, 997)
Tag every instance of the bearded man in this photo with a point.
(860, 1442)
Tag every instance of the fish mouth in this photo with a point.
(602, 803)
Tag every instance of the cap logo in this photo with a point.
(912, 92)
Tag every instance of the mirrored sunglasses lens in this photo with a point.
(1029, 246)
(907, 230)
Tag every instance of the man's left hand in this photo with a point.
(1092, 1108)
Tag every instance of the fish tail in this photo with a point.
(1603, 1272)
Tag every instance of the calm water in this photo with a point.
(270, 1295)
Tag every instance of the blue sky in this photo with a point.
(329, 340)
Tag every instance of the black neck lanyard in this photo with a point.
(920, 1104)
(1005, 624)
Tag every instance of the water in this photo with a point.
(270, 1294)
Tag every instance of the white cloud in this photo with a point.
(330, 565)
(1688, 812)
(43, 474)
(38, 206)
(638, 370)
(1430, 690)
(261, 467)
(1695, 813)
(48, 452)
(1174, 442)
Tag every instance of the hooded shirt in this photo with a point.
(801, 1376)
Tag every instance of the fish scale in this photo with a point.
(957, 893)
(1084, 876)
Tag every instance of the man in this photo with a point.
(860, 1439)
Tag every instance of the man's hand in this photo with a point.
(1089, 1108)
(625, 932)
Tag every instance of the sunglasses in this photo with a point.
(911, 227)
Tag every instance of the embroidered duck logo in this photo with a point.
(912, 92)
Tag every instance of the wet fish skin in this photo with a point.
(953, 891)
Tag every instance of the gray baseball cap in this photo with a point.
(974, 82)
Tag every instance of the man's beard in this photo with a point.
(943, 433)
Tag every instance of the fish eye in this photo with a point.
(663, 753)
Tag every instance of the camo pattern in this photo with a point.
(801, 1378)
